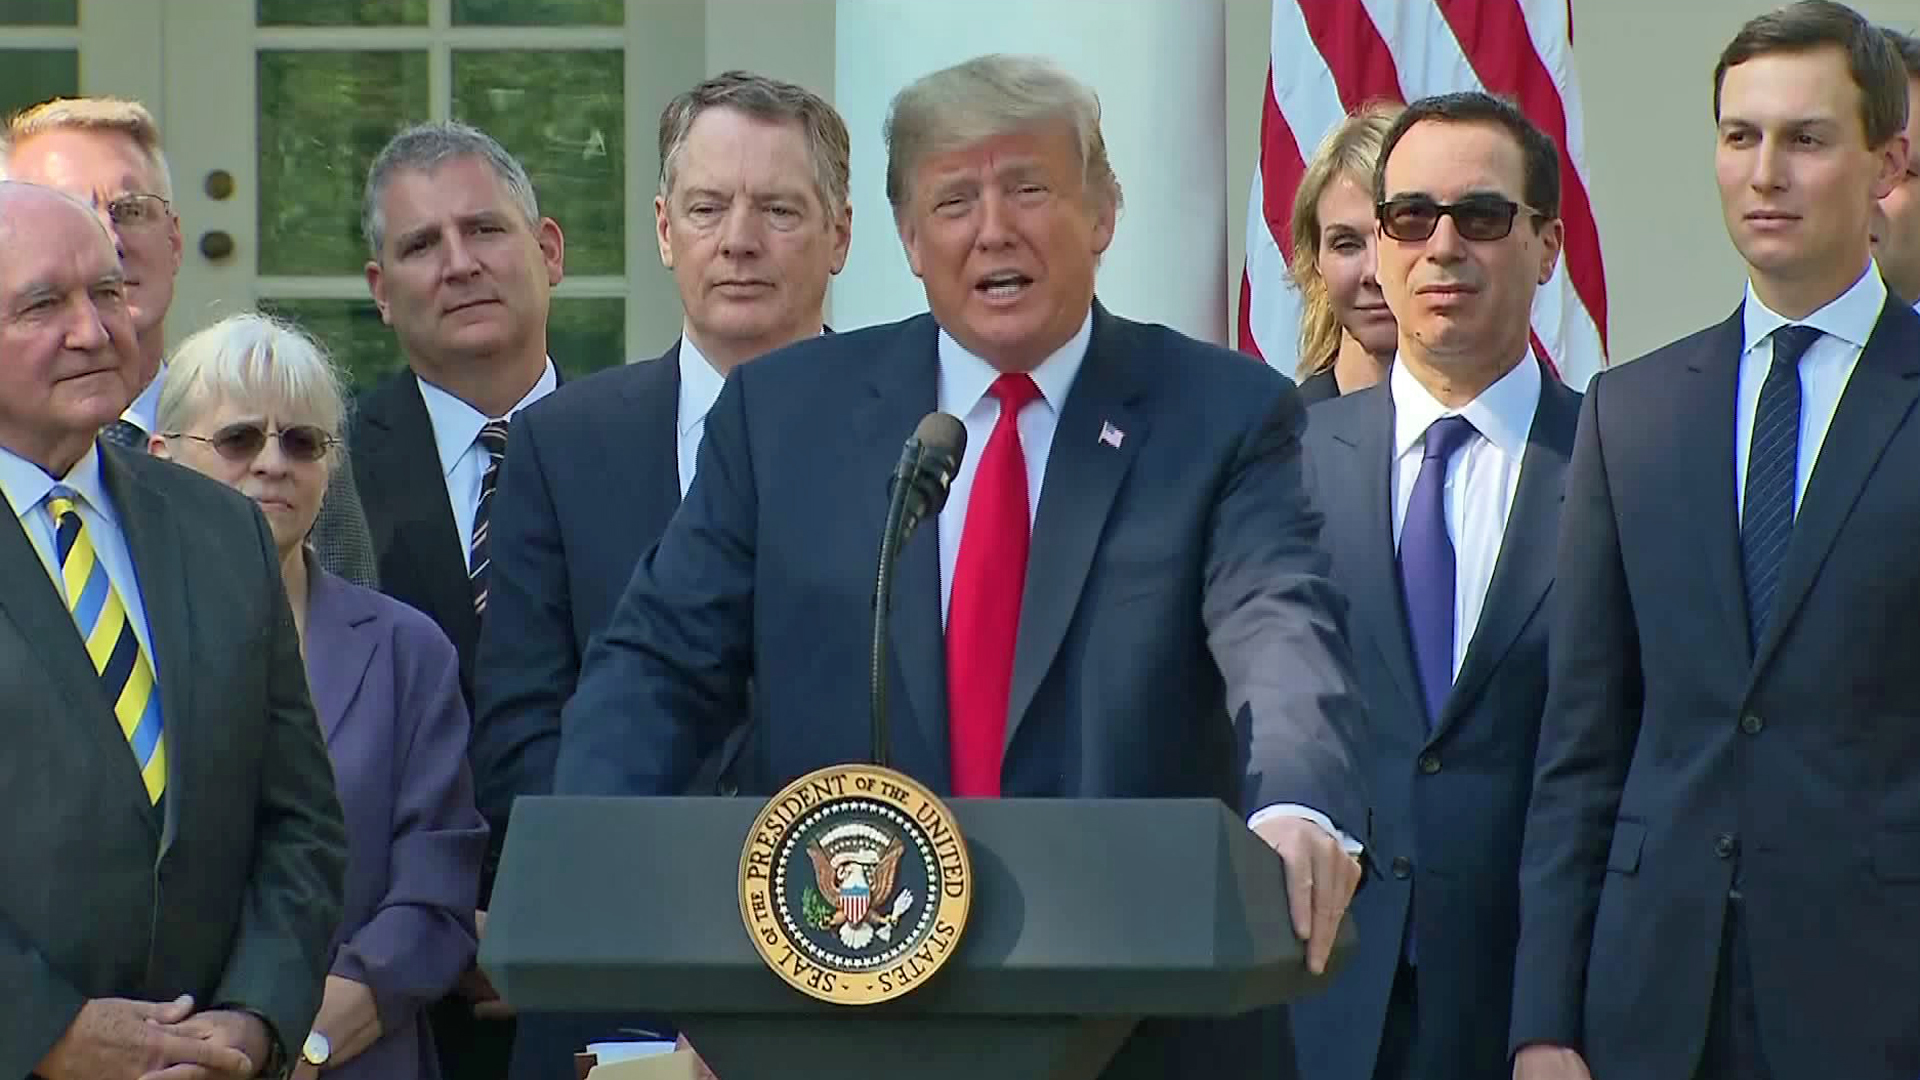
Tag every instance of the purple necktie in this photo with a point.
(1427, 565)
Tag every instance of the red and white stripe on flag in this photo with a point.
(1329, 56)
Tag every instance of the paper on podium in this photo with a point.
(677, 1065)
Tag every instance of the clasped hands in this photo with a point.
(124, 1039)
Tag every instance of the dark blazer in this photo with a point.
(232, 892)
(590, 483)
(1178, 637)
(386, 687)
(1318, 387)
(1674, 756)
(1448, 807)
(416, 541)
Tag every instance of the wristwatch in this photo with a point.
(316, 1050)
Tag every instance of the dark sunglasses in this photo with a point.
(1477, 217)
(242, 442)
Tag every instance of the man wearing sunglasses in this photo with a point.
(1441, 488)
(106, 152)
(1721, 874)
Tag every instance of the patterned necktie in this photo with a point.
(1773, 456)
(125, 672)
(1427, 565)
(126, 435)
(492, 439)
(983, 613)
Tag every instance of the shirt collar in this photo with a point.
(1849, 316)
(1502, 413)
(965, 378)
(144, 412)
(457, 424)
(27, 484)
(700, 386)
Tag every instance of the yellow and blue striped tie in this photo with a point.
(101, 616)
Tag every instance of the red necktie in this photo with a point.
(983, 612)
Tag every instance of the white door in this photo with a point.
(271, 111)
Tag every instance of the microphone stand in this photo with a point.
(883, 596)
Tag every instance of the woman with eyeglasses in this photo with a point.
(1347, 335)
(255, 403)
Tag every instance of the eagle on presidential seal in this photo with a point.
(856, 873)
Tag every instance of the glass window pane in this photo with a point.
(361, 345)
(322, 118)
(583, 335)
(561, 114)
(31, 76)
(39, 13)
(539, 12)
(341, 12)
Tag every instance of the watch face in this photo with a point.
(317, 1049)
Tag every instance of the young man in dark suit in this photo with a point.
(1723, 849)
(753, 220)
(1124, 596)
(175, 849)
(1442, 490)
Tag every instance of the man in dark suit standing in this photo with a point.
(1442, 490)
(1124, 596)
(462, 268)
(175, 849)
(1896, 217)
(107, 151)
(753, 220)
(1723, 848)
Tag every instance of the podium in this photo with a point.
(1086, 916)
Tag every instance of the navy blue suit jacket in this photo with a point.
(1179, 636)
(1677, 761)
(1449, 804)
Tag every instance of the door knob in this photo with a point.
(216, 244)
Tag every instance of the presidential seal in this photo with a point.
(855, 884)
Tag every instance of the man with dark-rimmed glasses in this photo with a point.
(1441, 488)
(106, 153)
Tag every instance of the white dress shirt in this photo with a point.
(1481, 477)
(964, 383)
(26, 486)
(700, 386)
(144, 413)
(456, 435)
(1825, 369)
(963, 392)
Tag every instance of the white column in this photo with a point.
(1159, 68)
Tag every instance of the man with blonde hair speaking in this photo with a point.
(1124, 596)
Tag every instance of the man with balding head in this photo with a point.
(175, 847)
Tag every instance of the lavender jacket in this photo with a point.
(386, 686)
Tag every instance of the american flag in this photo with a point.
(1329, 56)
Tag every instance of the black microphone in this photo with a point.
(917, 489)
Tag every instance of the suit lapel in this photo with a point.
(1083, 475)
(905, 387)
(654, 400)
(1877, 400)
(1524, 570)
(31, 602)
(154, 543)
(339, 647)
(408, 488)
(1361, 498)
(1701, 411)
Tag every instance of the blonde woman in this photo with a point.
(255, 404)
(1347, 335)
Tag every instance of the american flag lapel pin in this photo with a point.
(1111, 435)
